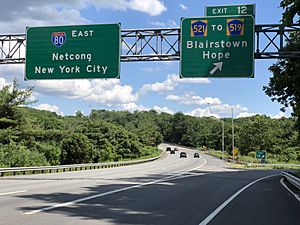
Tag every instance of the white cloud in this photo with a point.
(151, 7)
(279, 115)
(101, 91)
(169, 23)
(246, 114)
(15, 15)
(134, 107)
(183, 7)
(41, 16)
(202, 113)
(158, 24)
(167, 85)
(170, 83)
(9, 72)
(226, 109)
(163, 109)
(189, 99)
(51, 108)
(193, 80)
(220, 110)
(3, 82)
(108, 92)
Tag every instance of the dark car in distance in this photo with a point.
(196, 155)
(172, 152)
(183, 155)
(175, 149)
(168, 149)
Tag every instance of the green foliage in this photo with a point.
(283, 87)
(76, 149)
(10, 100)
(50, 151)
(79, 114)
(257, 134)
(149, 151)
(8, 135)
(292, 10)
(15, 155)
(289, 154)
(104, 152)
(252, 154)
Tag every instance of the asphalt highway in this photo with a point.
(171, 190)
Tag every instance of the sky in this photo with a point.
(142, 85)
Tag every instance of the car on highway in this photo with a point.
(196, 155)
(175, 149)
(183, 155)
(168, 149)
(172, 152)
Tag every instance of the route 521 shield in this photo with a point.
(58, 38)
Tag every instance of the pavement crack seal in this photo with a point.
(173, 177)
(224, 204)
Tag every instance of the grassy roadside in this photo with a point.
(245, 162)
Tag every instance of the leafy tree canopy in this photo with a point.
(284, 86)
(10, 99)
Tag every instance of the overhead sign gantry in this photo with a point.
(160, 44)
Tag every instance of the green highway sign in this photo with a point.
(217, 47)
(262, 155)
(73, 52)
(230, 10)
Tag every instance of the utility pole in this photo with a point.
(223, 139)
(232, 135)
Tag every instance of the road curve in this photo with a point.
(171, 190)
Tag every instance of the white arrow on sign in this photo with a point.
(218, 66)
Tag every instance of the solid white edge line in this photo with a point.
(287, 188)
(13, 192)
(224, 204)
(173, 177)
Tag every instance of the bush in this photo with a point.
(51, 152)
(13, 155)
(76, 149)
(291, 154)
(252, 154)
(150, 151)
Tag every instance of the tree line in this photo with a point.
(279, 137)
(31, 137)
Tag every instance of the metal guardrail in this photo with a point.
(255, 164)
(271, 164)
(68, 168)
(292, 179)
